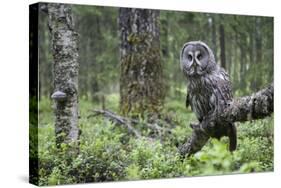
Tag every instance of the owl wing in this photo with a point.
(224, 87)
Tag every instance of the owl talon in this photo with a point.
(193, 125)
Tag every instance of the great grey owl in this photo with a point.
(209, 88)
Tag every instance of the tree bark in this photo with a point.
(222, 46)
(255, 106)
(214, 35)
(141, 87)
(243, 61)
(65, 70)
(258, 41)
(229, 57)
(165, 34)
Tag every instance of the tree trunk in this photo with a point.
(256, 106)
(259, 52)
(65, 54)
(214, 36)
(242, 64)
(141, 87)
(222, 46)
(251, 48)
(165, 34)
(235, 76)
(229, 57)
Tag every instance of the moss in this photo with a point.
(141, 77)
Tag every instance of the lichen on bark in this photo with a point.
(141, 87)
(65, 68)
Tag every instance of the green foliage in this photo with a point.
(212, 160)
(215, 159)
(101, 157)
(109, 153)
(33, 121)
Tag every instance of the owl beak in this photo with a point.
(193, 64)
(192, 68)
(197, 62)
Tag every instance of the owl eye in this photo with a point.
(189, 57)
(199, 56)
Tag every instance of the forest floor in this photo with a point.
(109, 153)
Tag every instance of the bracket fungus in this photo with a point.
(59, 96)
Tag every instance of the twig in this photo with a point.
(130, 123)
(118, 120)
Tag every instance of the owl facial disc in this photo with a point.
(196, 59)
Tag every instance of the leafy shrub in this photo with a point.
(101, 158)
(108, 153)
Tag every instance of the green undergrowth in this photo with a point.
(109, 153)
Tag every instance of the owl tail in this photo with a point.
(232, 135)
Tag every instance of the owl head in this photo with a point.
(196, 59)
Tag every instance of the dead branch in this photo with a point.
(119, 120)
(129, 123)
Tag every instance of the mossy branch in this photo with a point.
(256, 106)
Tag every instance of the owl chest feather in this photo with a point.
(205, 95)
(202, 98)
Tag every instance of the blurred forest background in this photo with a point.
(243, 45)
(247, 53)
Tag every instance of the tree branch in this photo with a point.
(255, 106)
(130, 123)
(118, 120)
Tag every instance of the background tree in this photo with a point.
(222, 45)
(141, 85)
(98, 58)
(65, 68)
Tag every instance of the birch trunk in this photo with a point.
(65, 71)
